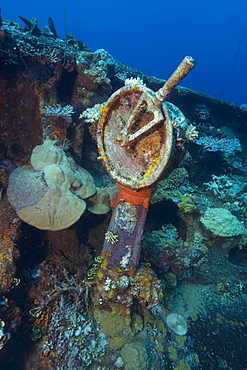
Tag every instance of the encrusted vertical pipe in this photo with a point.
(123, 239)
(122, 244)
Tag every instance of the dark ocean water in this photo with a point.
(154, 36)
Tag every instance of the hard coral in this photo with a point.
(135, 356)
(146, 287)
(221, 222)
(178, 177)
(60, 187)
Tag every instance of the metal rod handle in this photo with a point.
(182, 70)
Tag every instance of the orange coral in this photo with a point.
(146, 287)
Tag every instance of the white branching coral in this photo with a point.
(134, 81)
(58, 110)
(191, 134)
(112, 236)
(91, 115)
(219, 185)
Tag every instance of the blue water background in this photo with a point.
(154, 36)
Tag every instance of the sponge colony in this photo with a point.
(222, 223)
(50, 195)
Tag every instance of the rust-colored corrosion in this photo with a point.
(9, 226)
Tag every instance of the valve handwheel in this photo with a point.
(135, 131)
(135, 137)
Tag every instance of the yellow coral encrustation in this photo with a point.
(124, 285)
(146, 287)
(186, 204)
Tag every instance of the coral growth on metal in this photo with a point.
(133, 149)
